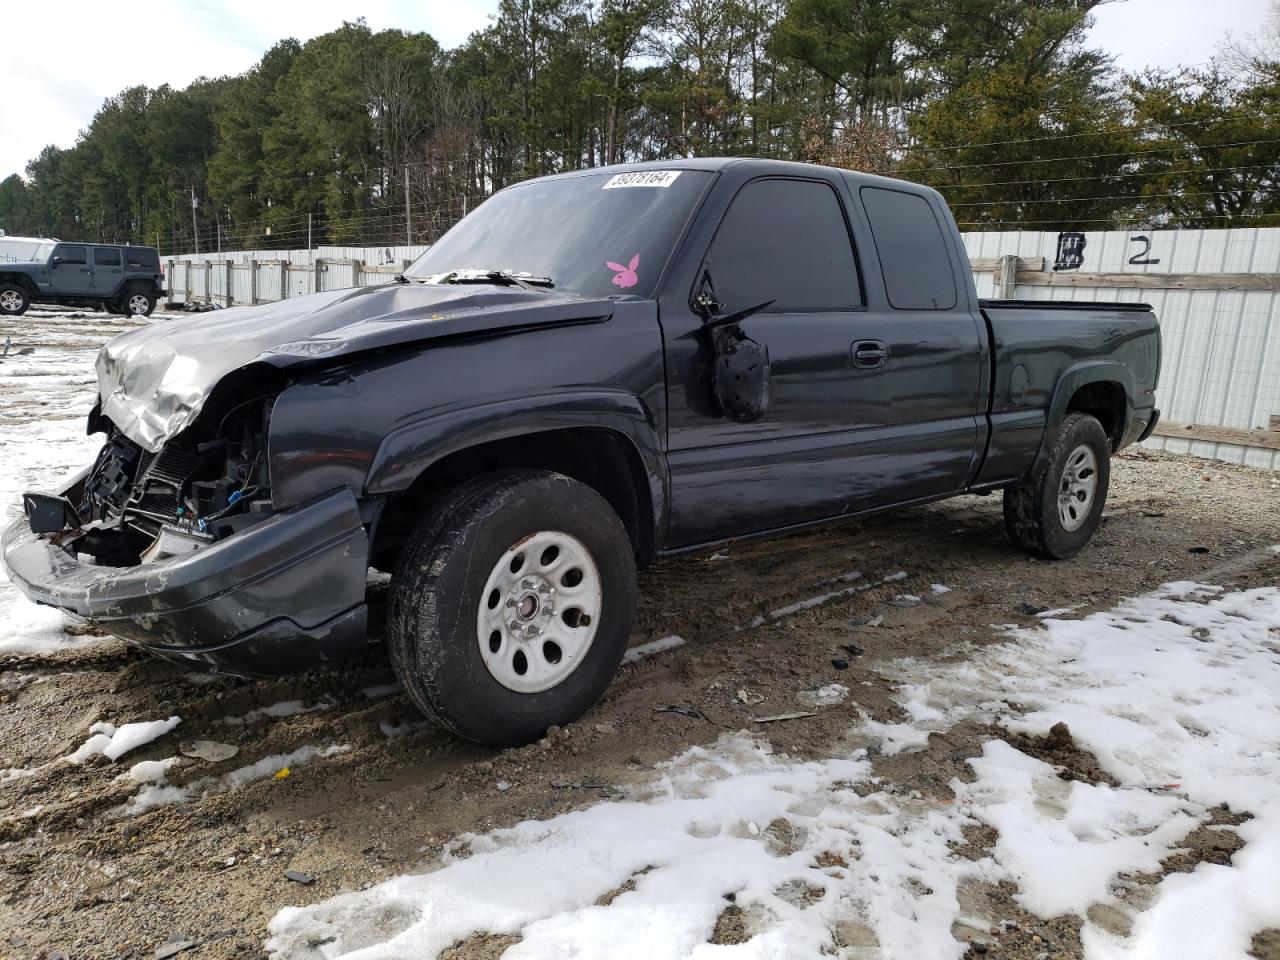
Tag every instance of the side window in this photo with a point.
(106, 257)
(73, 254)
(785, 241)
(140, 258)
(913, 250)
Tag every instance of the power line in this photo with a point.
(1100, 156)
(1130, 197)
(1105, 176)
(1127, 128)
(1060, 220)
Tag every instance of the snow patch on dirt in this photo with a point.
(1174, 692)
(730, 821)
(159, 793)
(114, 742)
(661, 645)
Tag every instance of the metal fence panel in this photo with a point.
(1221, 348)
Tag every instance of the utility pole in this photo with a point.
(195, 230)
(219, 236)
(308, 231)
(408, 215)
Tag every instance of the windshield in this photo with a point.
(596, 235)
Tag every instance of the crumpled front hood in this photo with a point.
(153, 381)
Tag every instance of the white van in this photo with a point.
(24, 249)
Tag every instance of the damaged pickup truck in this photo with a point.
(590, 371)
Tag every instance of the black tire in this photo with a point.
(111, 308)
(14, 300)
(132, 303)
(439, 583)
(1032, 515)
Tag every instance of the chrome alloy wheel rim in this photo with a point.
(1078, 488)
(137, 305)
(539, 612)
(11, 300)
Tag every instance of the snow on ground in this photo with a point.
(1174, 692)
(661, 645)
(114, 742)
(275, 711)
(157, 793)
(44, 399)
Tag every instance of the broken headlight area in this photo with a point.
(204, 485)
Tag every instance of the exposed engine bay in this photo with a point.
(201, 487)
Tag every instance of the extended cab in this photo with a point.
(118, 279)
(590, 370)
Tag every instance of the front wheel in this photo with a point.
(1056, 511)
(511, 606)
(13, 300)
(138, 304)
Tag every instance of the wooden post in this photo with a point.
(319, 269)
(284, 279)
(186, 279)
(253, 281)
(228, 280)
(208, 281)
(1007, 277)
(355, 273)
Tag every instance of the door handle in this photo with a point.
(868, 354)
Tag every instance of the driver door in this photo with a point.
(70, 272)
(812, 454)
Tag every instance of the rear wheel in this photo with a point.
(13, 300)
(511, 606)
(1056, 511)
(137, 303)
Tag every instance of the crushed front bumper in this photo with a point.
(281, 596)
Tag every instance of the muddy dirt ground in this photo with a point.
(82, 876)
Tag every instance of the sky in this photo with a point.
(53, 82)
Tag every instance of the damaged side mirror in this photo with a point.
(740, 365)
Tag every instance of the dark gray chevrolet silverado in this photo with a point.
(589, 371)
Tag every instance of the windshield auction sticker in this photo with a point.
(644, 178)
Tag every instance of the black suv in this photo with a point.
(118, 279)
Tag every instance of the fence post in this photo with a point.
(253, 281)
(227, 266)
(319, 269)
(284, 279)
(1008, 279)
(186, 279)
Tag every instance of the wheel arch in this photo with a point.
(1101, 388)
(606, 442)
(20, 280)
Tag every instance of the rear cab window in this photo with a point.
(106, 256)
(785, 241)
(914, 253)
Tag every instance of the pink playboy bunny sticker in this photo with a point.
(626, 276)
